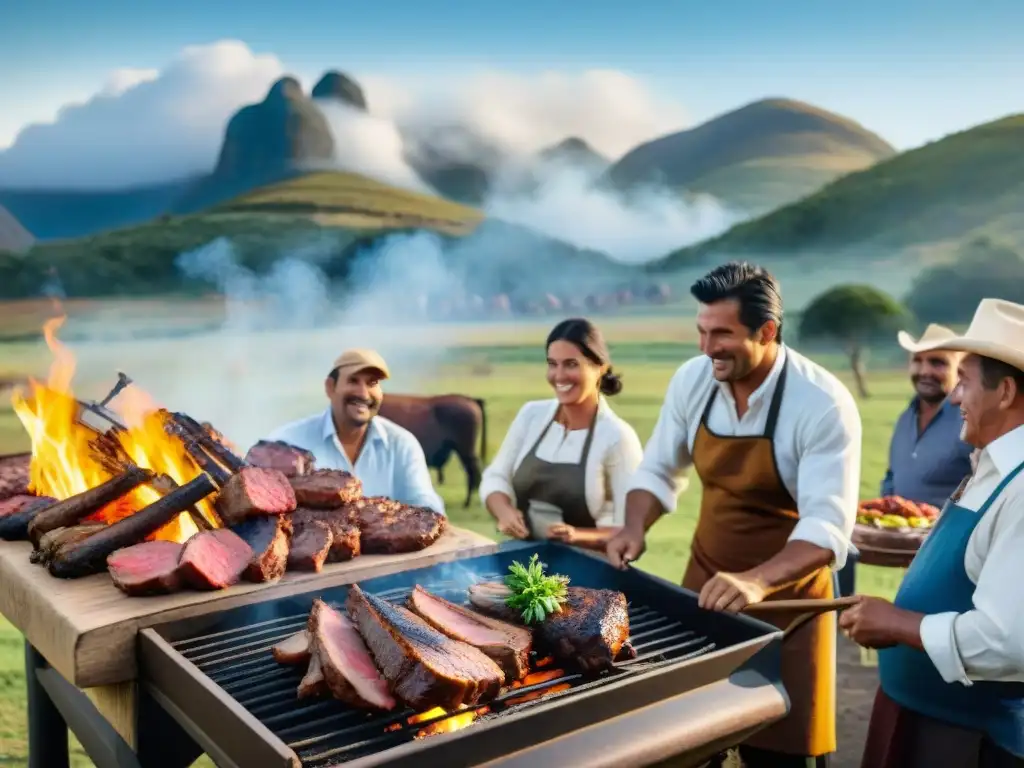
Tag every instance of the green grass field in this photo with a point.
(502, 364)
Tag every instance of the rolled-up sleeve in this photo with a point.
(986, 643)
(412, 483)
(620, 466)
(662, 471)
(497, 478)
(828, 481)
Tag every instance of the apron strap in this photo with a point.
(543, 432)
(776, 403)
(590, 437)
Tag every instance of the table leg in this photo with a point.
(47, 731)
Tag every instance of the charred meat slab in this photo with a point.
(389, 527)
(309, 547)
(14, 475)
(214, 559)
(18, 512)
(255, 492)
(288, 459)
(294, 649)
(268, 539)
(345, 535)
(591, 629)
(149, 568)
(345, 662)
(52, 542)
(509, 645)
(423, 667)
(326, 488)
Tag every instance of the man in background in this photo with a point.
(350, 435)
(927, 458)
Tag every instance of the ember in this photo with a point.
(65, 463)
(448, 724)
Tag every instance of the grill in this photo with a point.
(215, 674)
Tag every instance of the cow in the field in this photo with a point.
(444, 424)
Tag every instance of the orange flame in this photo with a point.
(62, 460)
(448, 725)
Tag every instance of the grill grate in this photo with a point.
(326, 732)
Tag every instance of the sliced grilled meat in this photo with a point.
(591, 630)
(288, 459)
(268, 539)
(388, 527)
(326, 488)
(345, 536)
(255, 492)
(509, 645)
(344, 660)
(309, 547)
(214, 559)
(294, 649)
(423, 667)
(149, 568)
(313, 684)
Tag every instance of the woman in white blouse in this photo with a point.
(563, 468)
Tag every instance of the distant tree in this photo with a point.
(855, 316)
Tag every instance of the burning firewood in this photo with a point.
(76, 508)
(191, 430)
(89, 556)
(51, 543)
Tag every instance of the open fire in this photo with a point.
(66, 463)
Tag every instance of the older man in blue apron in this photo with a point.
(952, 644)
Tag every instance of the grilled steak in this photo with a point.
(17, 512)
(14, 475)
(294, 649)
(313, 683)
(288, 459)
(388, 527)
(423, 667)
(214, 559)
(344, 660)
(326, 488)
(309, 547)
(149, 568)
(51, 542)
(591, 629)
(345, 537)
(268, 539)
(506, 643)
(255, 492)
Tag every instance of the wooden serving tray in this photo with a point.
(887, 547)
(86, 628)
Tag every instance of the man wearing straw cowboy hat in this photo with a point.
(952, 658)
(927, 458)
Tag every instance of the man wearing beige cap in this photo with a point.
(927, 458)
(350, 435)
(951, 663)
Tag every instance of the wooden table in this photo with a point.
(81, 637)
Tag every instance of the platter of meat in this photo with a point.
(14, 475)
(890, 530)
(429, 651)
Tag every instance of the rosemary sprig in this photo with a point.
(535, 594)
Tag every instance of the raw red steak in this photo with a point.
(388, 527)
(275, 454)
(254, 492)
(149, 568)
(345, 535)
(326, 488)
(309, 547)
(268, 539)
(214, 559)
(347, 667)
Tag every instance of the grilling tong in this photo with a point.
(808, 609)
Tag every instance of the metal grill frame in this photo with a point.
(232, 735)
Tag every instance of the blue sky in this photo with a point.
(912, 71)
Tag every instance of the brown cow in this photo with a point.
(442, 424)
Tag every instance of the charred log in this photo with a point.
(77, 508)
(87, 557)
(207, 463)
(189, 428)
(51, 543)
(14, 525)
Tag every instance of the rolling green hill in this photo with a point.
(756, 158)
(928, 200)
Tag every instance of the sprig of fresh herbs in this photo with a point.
(535, 594)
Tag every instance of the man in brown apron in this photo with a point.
(779, 471)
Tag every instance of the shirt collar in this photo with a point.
(374, 432)
(767, 386)
(1006, 451)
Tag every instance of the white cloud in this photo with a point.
(142, 126)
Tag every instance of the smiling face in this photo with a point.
(982, 409)
(573, 377)
(355, 397)
(733, 348)
(933, 374)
